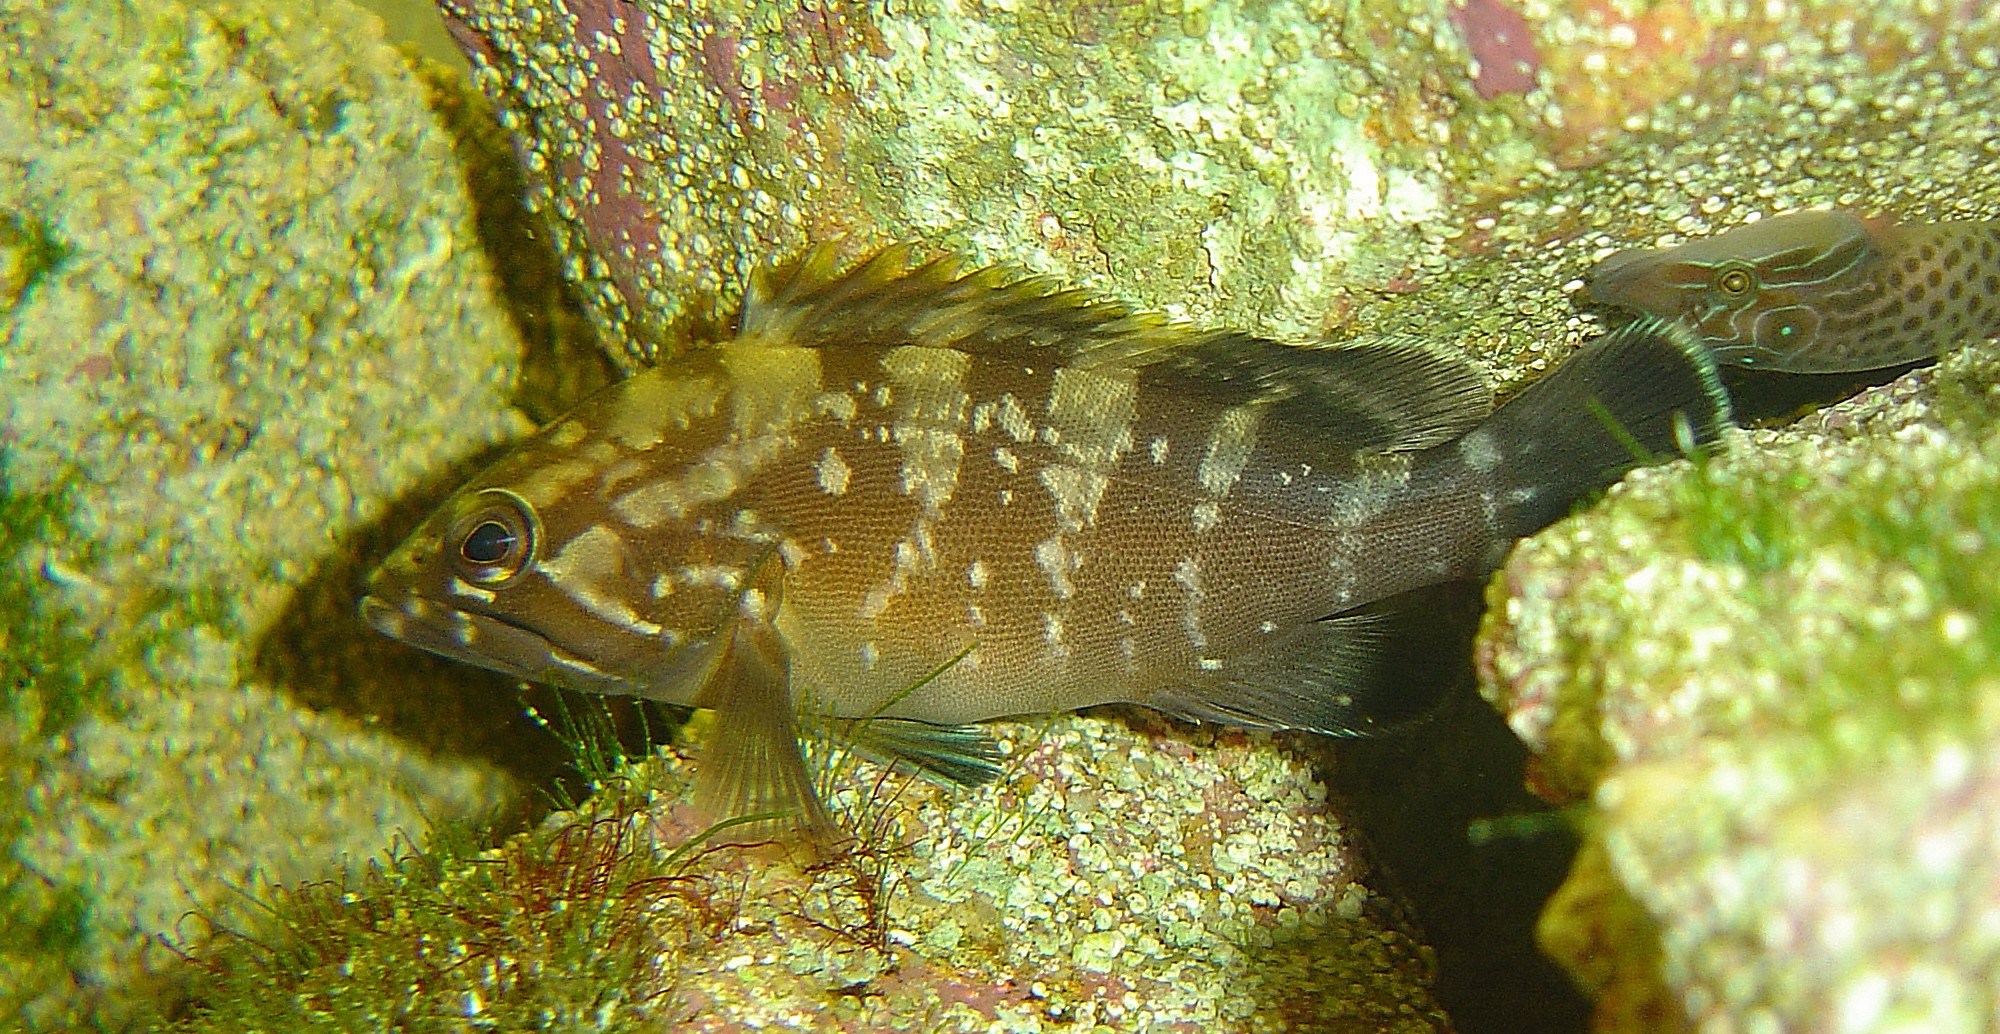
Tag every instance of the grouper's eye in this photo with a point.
(1735, 281)
(493, 544)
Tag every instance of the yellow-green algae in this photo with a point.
(241, 306)
(1778, 672)
(1113, 881)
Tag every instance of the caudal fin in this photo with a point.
(1638, 395)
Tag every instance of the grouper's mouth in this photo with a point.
(486, 641)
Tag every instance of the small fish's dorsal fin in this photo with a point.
(1389, 394)
(1386, 394)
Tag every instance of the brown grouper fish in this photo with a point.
(1819, 292)
(903, 500)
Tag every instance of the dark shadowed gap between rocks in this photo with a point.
(1415, 793)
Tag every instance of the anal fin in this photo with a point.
(751, 766)
(1378, 667)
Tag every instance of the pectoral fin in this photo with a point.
(751, 764)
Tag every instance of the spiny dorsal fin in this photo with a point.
(1386, 394)
(882, 301)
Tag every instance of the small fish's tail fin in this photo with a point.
(1641, 394)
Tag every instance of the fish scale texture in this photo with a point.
(242, 308)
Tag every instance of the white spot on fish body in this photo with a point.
(1125, 618)
(1007, 460)
(793, 554)
(568, 434)
(869, 656)
(1479, 450)
(716, 476)
(1013, 419)
(1267, 627)
(982, 417)
(1137, 590)
(1052, 635)
(663, 585)
(1006, 497)
(833, 472)
(1056, 562)
(1188, 573)
(1230, 442)
(1129, 647)
(1210, 664)
(1076, 491)
(573, 662)
(975, 575)
(1206, 515)
(883, 396)
(837, 404)
(751, 604)
(1159, 449)
(717, 576)
(975, 616)
(930, 465)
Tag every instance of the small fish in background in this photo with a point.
(1819, 292)
(905, 500)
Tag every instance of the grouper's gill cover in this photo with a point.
(1043, 501)
(1819, 292)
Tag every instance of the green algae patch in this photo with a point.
(242, 306)
(1114, 879)
(577, 927)
(29, 250)
(44, 921)
(1776, 671)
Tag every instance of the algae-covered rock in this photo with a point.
(1113, 881)
(241, 309)
(1777, 671)
(1293, 168)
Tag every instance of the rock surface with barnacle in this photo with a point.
(1775, 674)
(1287, 168)
(243, 307)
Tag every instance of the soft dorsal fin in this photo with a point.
(1376, 394)
(1383, 394)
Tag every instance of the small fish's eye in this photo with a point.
(1735, 281)
(492, 544)
(488, 544)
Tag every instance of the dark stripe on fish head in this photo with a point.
(1759, 295)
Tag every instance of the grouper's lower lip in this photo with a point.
(488, 642)
(451, 633)
(497, 645)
